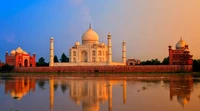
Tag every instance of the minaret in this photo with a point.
(51, 93)
(170, 55)
(124, 52)
(109, 48)
(51, 61)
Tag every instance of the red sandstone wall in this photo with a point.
(149, 68)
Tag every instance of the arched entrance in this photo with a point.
(131, 64)
(84, 56)
(25, 63)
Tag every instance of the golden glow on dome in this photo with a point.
(180, 44)
(90, 37)
(102, 44)
(96, 42)
(18, 50)
(183, 100)
(77, 43)
(12, 52)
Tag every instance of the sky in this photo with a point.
(147, 26)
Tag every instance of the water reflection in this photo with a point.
(181, 87)
(51, 85)
(19, 87)
(90, 94)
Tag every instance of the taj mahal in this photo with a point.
(90, 52)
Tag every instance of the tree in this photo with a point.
(41, 62)
(151, 62)
(196, 65)
(56, 59)
(165, 61)
(64, 58)
(6, 68)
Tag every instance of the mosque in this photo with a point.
(90, 52)
(181, 55)
(20, 58)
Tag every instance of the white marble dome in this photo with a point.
(12, 52)
(90, 37)
(102, 44)
(180, 44)
(77, 43)
(18, 50)
(96, 42)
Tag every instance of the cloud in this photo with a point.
(82, 18)
(10, 39)
(76, 2)
(83, 12)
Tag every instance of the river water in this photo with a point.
(177, 93)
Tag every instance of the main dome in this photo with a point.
(90, 37)
(180, 44)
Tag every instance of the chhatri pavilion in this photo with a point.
(90, 52)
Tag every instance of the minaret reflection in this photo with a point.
(51, 91)
(92, 93)
(109, 96)
(124, 92)
(19, 87)
(181, 86)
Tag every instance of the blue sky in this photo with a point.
(148, 27)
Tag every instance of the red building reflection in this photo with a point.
(19, 87)
(181, 87)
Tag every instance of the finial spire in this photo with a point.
(90, 26)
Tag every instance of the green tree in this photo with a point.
(64, 58)
(56, 59)
(165, 61)
(6, 68)
(196, 65)
(151, 62)
(41, 62)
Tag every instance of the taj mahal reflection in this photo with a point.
(89, 93)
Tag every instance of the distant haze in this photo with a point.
(147, 26)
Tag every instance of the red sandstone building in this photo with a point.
(131, 62)
(20, 58)
(181, 55)
(1, 63)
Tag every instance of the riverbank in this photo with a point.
(126, 76)
(106, 69)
